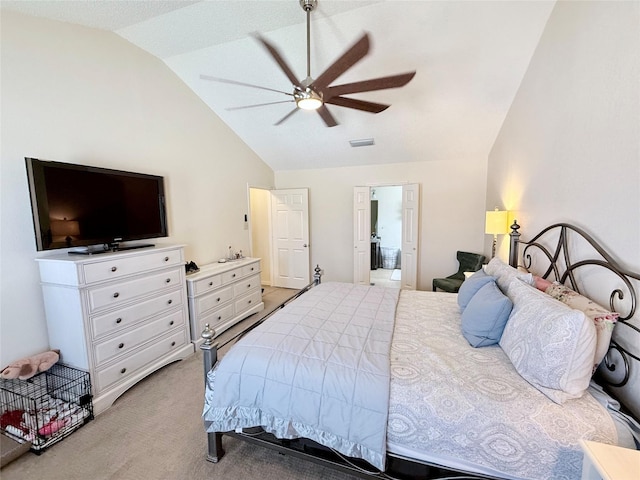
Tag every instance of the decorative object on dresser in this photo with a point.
(119, 316)
(222, 294)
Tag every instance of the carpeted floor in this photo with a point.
(154, 431)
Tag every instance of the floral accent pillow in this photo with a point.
(603, 319)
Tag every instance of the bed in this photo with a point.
(497, 381)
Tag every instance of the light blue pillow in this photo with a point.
(486, 315)
(471, 285)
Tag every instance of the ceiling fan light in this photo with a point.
(308, 99)
(309, 103)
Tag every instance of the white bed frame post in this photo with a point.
(209, 359)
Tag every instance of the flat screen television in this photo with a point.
(93, 208)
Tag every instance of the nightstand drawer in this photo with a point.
(118, 293)
(110, 322)
(126, 342)
(115, 268)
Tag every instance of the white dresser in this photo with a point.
(120, 316)
(222, 294)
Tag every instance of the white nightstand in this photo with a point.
(609, 462)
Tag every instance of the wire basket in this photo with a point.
(45, 408)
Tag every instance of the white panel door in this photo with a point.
(361, 235)
(290, 223)
(410, 229)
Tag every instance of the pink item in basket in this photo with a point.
(52, 427)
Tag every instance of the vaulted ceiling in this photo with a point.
(470, 57)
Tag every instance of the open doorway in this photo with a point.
(386, 236)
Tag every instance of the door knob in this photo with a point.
(305, 245)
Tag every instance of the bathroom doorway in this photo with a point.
(386, 236)
(393, 239)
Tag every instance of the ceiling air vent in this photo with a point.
(363, 142)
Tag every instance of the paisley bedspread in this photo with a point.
(468, 408)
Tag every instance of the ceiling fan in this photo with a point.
(315, 94)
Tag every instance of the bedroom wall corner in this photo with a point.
(82, 95)
(569, 148)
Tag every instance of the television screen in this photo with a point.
(78, 205)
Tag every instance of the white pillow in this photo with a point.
(505, 273)
(551, 345)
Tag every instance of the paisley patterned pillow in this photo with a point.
(603, 319)
(549, 344)
(505, 273)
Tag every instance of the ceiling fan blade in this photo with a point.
(382, 83)
(257, 105)
(286, 116)
(324, 112)
(349, 58)
(234, 82)
(279, 60)
(358, 104)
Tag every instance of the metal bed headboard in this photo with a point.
(554, 244)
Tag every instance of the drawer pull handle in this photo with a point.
(219, 317)
(218, 299)
(116, 295)
(166, 259)
(123, 370)
(173, 344)
(113, 269)
(171, 322)
(252, 269)
(233, 276)
(168, 280)
(211, 284)
(249, 286)
(249, 301)
(118, 320)
(170, 302)
(121, 345)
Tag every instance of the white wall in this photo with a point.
(260, 202)
(81, 95)
(569, 149)
(451, 216)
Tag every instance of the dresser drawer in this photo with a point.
(245, 303)
(128, 366)
(213, 299)
(110, 322)
(206, 284)
(215, 318)
(105, 351)
(115, 268)
(250, 269)
(231, 276)
(246, 285)
(119, 293)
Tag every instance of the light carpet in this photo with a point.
(395, 275)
